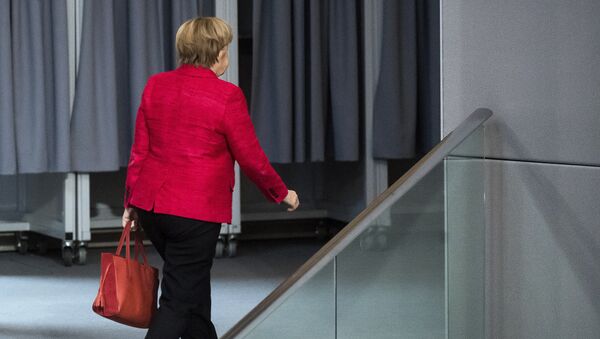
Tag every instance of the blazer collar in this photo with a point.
(191, 70)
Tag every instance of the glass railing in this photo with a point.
(411, 265)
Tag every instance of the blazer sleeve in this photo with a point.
(139, 150)
(245, 148)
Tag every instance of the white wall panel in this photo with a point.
(543, 250)
(535, 64)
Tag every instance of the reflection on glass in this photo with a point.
(416, 271)
(308, 313)
(465, 238)
(391, 278)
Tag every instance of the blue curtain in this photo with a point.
(407, 99)
(307, 82)
(34, 87)
(305, 79)
(123, 43)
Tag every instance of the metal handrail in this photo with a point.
(359, 224)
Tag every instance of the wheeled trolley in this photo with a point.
(45, 204)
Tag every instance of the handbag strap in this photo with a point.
(125, 240)
(139, 247)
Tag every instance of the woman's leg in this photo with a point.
(185, 298)
(200, 316)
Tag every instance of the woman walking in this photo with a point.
(190, 128)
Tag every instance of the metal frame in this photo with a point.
(357, 226)
(45, 219)
(227, 10)
(75, 17)
(82, 181)
(376, 171)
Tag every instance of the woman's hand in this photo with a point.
(130, 215)
(292, 200)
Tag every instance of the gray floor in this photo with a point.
(40, 298)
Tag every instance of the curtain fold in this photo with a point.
(34, 87)
(272, 89)
(8, 155)
(344, 78)
(318, 68)
(406, 112)
(123, 43)
(305, 84)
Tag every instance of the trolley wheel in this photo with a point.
(22, 243)
(67, 256)
(381, 239)
(375, 239)
(370, 240)
(22, 246)
(81, 257)
(367, 242)
(232, 248)
(220, 248)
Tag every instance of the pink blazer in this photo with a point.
(190, 128)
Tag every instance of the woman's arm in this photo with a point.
(246, 149)
(139, 150)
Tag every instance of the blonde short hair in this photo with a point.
(199, 41)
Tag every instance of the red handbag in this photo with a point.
(128, 289)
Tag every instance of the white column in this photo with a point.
(80, 200)
(376, 171)
(227, 10)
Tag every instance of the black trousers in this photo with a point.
(187, 247)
